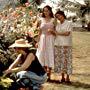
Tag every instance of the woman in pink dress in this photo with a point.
(45, 50)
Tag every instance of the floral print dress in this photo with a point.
(63, 49)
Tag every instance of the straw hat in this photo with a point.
(20, 43)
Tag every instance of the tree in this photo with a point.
(82, 11)
(85, 12)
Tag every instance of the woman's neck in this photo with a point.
(62, 21)
(47, 19)
(23, 53)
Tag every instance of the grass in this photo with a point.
(81, 65)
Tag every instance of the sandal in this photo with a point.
(62, 80)
(57, 81)
(48, 80)
(51, 81)
(68, 81)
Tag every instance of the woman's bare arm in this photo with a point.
(26, 64)
(16, 62)
(67, 33)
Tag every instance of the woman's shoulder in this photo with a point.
(32, 50)
(53, 19)
(68, 25)
(68, 22)
(58, 24)
(40, 18)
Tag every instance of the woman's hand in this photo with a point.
(51, 32)
(7, 71)
(63, 33)
(36, 45)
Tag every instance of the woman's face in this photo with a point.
(18, 50)
(46, 12)
(60, 17)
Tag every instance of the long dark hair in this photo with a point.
(61, 13)
(50, 9)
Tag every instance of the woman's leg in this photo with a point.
(33, 77)
(49, 74)
(63, 77)
(48, 71)
(68, 79)
(68, 62)
(36, 80)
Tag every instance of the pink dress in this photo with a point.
(45, 50)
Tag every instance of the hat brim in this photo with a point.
(20, 45)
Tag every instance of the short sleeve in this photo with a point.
(69, 26)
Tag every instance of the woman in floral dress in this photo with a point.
(63, 47)
(45, 50)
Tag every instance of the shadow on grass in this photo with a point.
(81, 74)
(73, 84)
(79, 85)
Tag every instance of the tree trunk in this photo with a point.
(88, 26)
